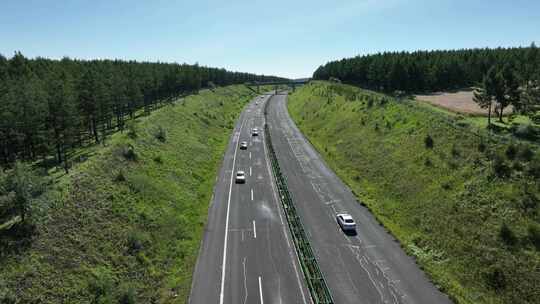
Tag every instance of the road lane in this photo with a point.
(369, 267)
(253, 259)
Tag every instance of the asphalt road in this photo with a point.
(247, 255)
(369, 267)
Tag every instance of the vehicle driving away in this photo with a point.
(240, 177)
(346, 222)
(392, 149)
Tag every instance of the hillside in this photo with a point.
(464, 204)
(125, 225)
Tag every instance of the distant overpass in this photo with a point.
(290, 83)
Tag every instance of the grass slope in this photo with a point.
(126, 224)
(466, 208)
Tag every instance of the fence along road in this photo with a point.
(247, 255)
(369, 267)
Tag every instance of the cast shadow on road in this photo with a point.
(350, 232)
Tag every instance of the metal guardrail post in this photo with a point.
(320, 294)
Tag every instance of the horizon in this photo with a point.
(254, 38)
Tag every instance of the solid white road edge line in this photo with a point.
(222, 290)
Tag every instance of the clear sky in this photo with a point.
(285, 38)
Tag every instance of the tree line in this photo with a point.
(48, 107)
(502, 77)
(428, 71)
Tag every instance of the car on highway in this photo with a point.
(240, 177)
(346, 222)
(243, 145)
(255, 132)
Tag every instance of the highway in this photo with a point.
(367, 267)
(247, 255)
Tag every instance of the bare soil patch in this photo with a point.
(459, 101)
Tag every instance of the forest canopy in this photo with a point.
(428, 71)
(48, 106)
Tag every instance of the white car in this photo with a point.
(240, 177)
(255, 132)
(243, 145)
(346, 222)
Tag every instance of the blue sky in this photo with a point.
(284, 38)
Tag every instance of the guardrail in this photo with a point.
(320, 294)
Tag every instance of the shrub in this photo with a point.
(370, 102)
(534, 169)
(511, 152)
(427, 162)
(160, 134)
(158, 159)
(132, 130)
(525, 131)
(507, 235)
(482, 147)
(455, 152)
(126, 295)
(135, 242)
(101, 285)
(526, 153)
(500, 168)
(128, 152)
(120, 177)
(495, 278)
(428, 141)
(533, 232)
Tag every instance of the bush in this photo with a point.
(455, 152)
(482, 147)
(101, 285)
(128, 152)
(428, 141)
(500, 168)
(120, 177)
(533, 232)
(158, 159)
(132, 130)
(525, 153)
(126, 295)
(507, 235)
(135, 242)
(525, 131)
(160, 134)
(534, 169)
(495, 278)
(511, 152)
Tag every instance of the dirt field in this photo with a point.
(461, 102)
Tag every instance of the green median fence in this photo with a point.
(317, 285)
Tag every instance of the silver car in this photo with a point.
(346, 222)
(243, 145)
(255, 132)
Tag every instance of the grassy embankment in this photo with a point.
(465, 206)
(126, 224)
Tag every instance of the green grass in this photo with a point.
(445, 204)
(123, 223)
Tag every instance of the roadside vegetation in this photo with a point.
(125, 224)
(463, 201)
